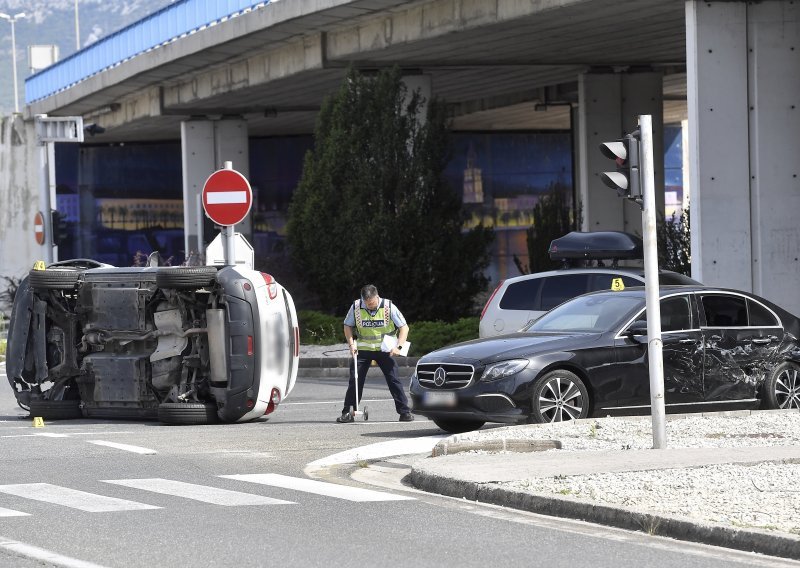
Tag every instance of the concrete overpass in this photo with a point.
(590, 65)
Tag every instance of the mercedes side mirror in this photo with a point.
(637, 330)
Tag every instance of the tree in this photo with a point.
(373, 205)
(553, 217)
(675, 243)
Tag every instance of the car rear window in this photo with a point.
(558, 289)
(605, 282)
(725, 311)
(761, 316)
(522, 295)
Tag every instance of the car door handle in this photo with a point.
(761, 340)
(687, 341)
(716, 338)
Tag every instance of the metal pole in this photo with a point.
(51, 193)
(14, 62)
(77, 29)
(44, 203)
(654, 343)
(229, 243)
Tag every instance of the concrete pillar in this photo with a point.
(744, 135)
(608, 106)
(205, 146)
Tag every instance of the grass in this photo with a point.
(2, 350)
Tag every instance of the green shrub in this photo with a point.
(317, 328)
(2, 349)
(427, 336)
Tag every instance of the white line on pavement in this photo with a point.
(30, 551)
(401, 447)
(125, 447)
(72, 498)
(203, 493)
(318, 487)
(12, 513)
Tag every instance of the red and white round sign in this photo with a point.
(38, 228)
(227, 197)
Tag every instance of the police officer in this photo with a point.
(372, 318)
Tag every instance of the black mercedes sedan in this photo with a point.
(588, 357)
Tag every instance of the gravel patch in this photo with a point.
(762, 496)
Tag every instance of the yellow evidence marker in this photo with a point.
(39, 265)
(617, 285)
(38, 422)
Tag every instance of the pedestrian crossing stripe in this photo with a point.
(12, 513)
(94, 503)
(81, 500)
(318, 487)
(195, 492)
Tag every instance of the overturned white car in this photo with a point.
(185, 345)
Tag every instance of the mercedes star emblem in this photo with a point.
(439, 376)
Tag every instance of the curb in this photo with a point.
(449, 447)
(761, 542)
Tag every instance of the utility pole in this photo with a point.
(13, 19)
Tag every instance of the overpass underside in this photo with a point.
(589, 66)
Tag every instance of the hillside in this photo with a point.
(53, 22)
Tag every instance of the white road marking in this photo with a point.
(38, 434)
(221, 197)
(402, 447)
(81, 500)
(30, 551)
(12, 513)
(203, 493)
(318, 487)
(125, 447)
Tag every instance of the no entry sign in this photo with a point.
(38, 228)
(227, 197)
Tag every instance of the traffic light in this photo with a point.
(59, 227)
(626, 180)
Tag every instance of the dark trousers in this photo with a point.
(388, 365)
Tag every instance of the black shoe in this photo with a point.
(345, 417)
(406, 417)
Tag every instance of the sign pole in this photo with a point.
(654, 343)
(229, 246)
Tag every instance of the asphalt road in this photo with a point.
(88, 493)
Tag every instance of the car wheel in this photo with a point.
(458, 426)
(56, 409)
(187, 413)
(782, 388)
(558, 396)
(186, 278)
(54, 279)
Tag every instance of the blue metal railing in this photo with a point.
(171, 22)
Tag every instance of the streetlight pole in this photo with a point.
(12, 20)
(77, 29)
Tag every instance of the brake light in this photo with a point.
(274, 401)
(272, 286)
(489, 301)
(297, 342)
(249, 344)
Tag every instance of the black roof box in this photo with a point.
(597, 245)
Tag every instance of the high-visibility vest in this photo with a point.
(371, 329)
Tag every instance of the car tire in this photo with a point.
(54, 279)
(186, 277)
(458, 426)
(558, 396)
(55, 409)
(187, 413)
(782, 387)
